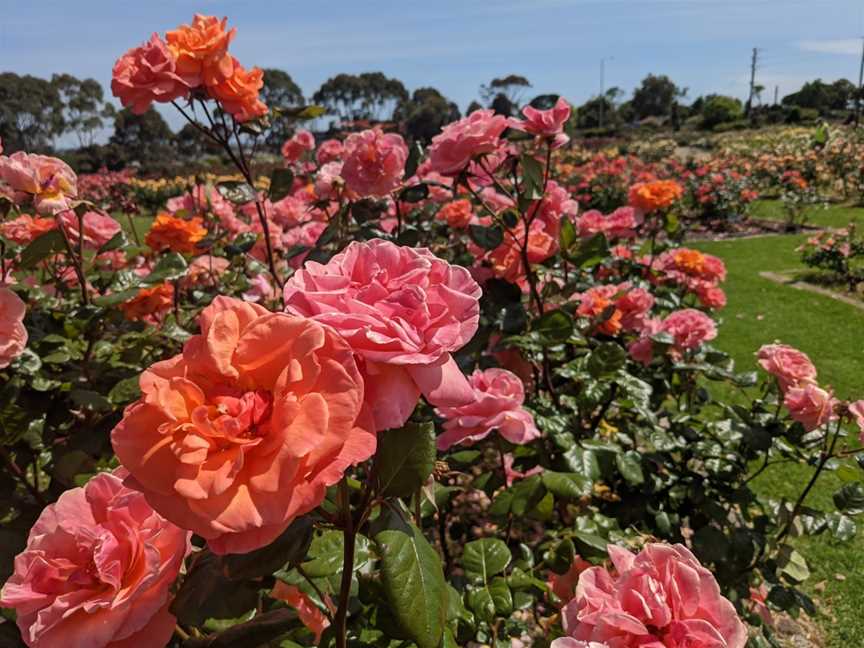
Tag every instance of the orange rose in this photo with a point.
(150, 304)
(245, 430)
(171, 233)
(238, 92)
(651, 196)
(201, 50)
(25, 228)
(458, 213)
(690, 261)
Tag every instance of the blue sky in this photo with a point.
(455, 45)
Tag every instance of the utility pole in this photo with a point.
(752, 81)
(776, 92)
(860, 84)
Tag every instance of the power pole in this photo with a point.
(776, 92)
(860, 84)
(752, 81)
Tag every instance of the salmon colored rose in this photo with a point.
(50, 183)
(149, 304)
(238, 92)
(810, 405)
(201, 50)
(25, 228)
(403, 311)
(98, 228)
(791, 367)
(497, 405)
(662, 597)
(374, 162)
(245, 430)
(301, 142)
(205, 270)
(545, 123)
(13, 334)
(457, 214)
(563, 585)
(653, 196)
(146, 74)
(97, 571)
(460, 142)
(176, 234)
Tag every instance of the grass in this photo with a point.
(830, 216)
(760, 311)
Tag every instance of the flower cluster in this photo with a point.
(192, 58)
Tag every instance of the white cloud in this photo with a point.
(846, 46)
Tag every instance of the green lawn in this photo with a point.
(830, 216)
(760, 311)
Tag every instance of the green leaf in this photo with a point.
(589, 544)
(413, 579)
(258, 631)
(125, 391)
(414, 193)
(405, 459)
(170, 267)
(119, 240)
(487, 238)
(606, 359)
(567, 485)
(842, 527)
(237, 192)
(310, 112)
(792, 564)
(415, 154)
(850, 498)
(206, 593)
(590, 252)
(532, 175)
(554, 327)
(568, 237)
(289, 548)
(327, 551)
(630, 466)
(486, 557)
(241, 244)
(48, 244)
(281, 183)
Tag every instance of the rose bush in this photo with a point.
(393, 395)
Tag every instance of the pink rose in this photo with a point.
(620, 224)
(260, 289)
(660, 597)
(97, 571)
(329, 182)
(403, 311)
(13, 335)
(497, 405)
(294, 148)
(810, 405)
(689, 328)
(331, 150)
(789, 366)
(98, 228)
(49, 182)
(544, 123)
(146, 74)
(205, 270)
(458, 143)
(374, 162)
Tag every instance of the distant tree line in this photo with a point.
(36, 114)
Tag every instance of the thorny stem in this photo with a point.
(823, 460)
(76, 261)
(350, 539)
